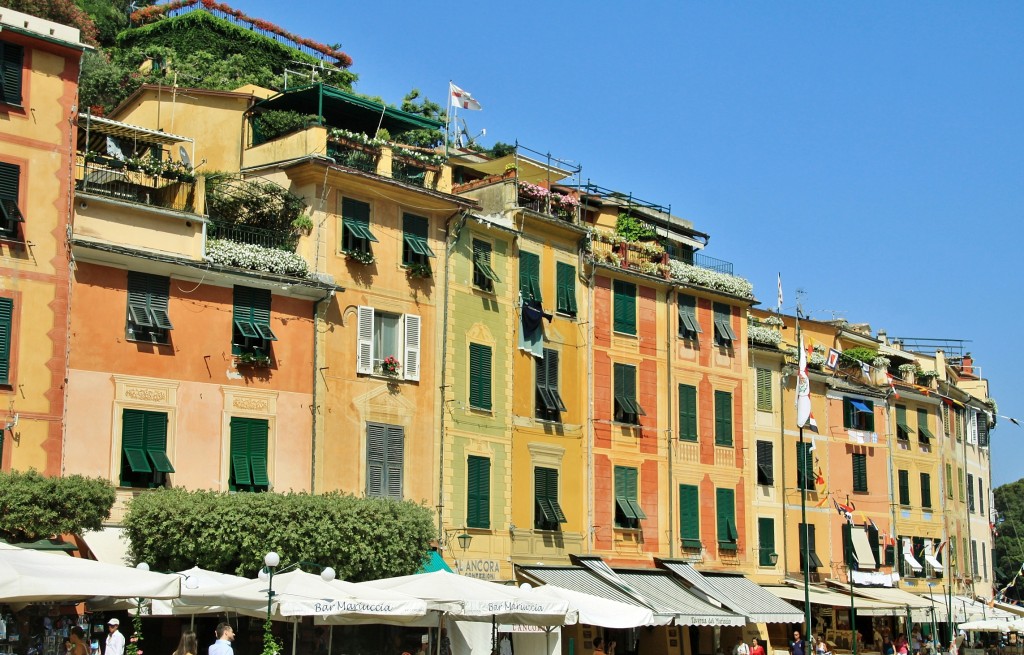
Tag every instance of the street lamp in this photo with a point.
(271, 561)
(464, 540)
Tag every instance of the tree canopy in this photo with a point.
(1009, 542)
(362, 538)
(34, 506)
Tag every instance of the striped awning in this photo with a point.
(100, 125)
(737, 593)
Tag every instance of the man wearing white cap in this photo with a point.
(115, 640)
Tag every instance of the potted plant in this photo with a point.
(253, 359)
(390, 366)
(419, 269)
(361, 256)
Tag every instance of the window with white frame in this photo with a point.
(388, 344)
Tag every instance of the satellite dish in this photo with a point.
(183, 154)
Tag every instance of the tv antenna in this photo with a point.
(462, 137)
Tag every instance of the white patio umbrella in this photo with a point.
(987, 625)
(470, 599)
(298, 593)
(31, 576)
(594, 610)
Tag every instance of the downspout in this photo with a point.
(315, 407)
(668, 433)
(590, 410)
(897, 549)
(970, 569)
(450, 243)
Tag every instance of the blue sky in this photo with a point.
(873, 153)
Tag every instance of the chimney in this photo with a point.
(967, 365)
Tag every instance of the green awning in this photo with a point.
(43, 544)
(925, 432)
(905, 427)
(346, 110)
(359, 230)
(434, 563)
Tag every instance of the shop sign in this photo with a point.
(484, 569)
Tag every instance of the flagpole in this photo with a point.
(802, 475)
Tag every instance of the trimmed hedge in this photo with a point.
(34, 506)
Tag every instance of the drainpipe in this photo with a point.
(590, 410)
(668, 433)
(970, 569)
(892, 492)
(315, 408)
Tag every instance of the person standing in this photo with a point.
(188, 644)
(76, 641)
(799, 645)
(741, 647)
(115, 640)
(755, 647)
(225, 635)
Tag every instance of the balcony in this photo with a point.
(563, 206)
(255, 236)
(113, 179)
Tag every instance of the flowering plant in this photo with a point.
(773, 321)
(904, 369)
(390, 366)
(532, 191)
(357, 137)
(428, 159)
(565, 201)
(709, 279)
(256, 258)
(764, 336)
(361, 256)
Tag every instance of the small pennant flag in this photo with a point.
(833, 358)
(462, 99)
(892, 385)
(865, 369)
(780, 294)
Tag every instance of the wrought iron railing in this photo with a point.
(252, 235)
(353, 155)
(135, 186)
(712, 264)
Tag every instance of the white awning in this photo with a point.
(862, 550)
(908, 554)
(929, 557)
(108, 545)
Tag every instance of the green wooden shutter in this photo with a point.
(156, 442)
(478, 510)
(765, 463)
(6, 325)
(624, 307)
(725, 512)
(904, 486)
(860, 472)
(849, 414)
(764, 389)
(723, 418)
(479, 376)
(133, 443)
(689, 328)
(687, 412)
(689, 516)
(926, 491)
(259, 437)
(766, 540)
(949, 480)
(242, 475)
(394, 461)
(11, 61)
(376, 449)
(529, 276)
(566, 283)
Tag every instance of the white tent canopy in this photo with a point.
(470, 599)
(28, 576)
(594, 610)
(298, 593)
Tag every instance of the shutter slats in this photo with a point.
(726, 512)
(6, 322)
(480, 376)
(687, 412)
(904, 486)
(766, 540)
(624, 309)
(566, 283)
(395, 460)
(689, 515)
(723, 418)
(11, 61)
(411, 366)
(376, 447)
(364, 340)
(764, 389)
(478, 509)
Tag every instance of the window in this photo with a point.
(484, 276)
(479, 376)
(687, 412)
(547, 513)
(355, 227)
(565, 285)
(628, 513)
(10, 182)
(415, 250)
(960, 475)
(926, 491)
(763, 378)
(385, 460)
(689, 328)
(725, 514)
(251, 333)
(903, 429)
(970, 492)
(6, 323)
(949, 480)
(765, 463)
(860, 472)
(724, 336)
(627, 409)
(144, 461)
(624, 307)
(723, 418)
(958, 423)
(548, 400)
(11, 59)
(972, 427)
(903, 477)
(984, 563)
(148, 319)
(924, 435)
(249, 437)
(478, 496)
(858, 414)
(981, 497)
(974, 557)
(689, 516)
(983, 432)
(807, 548)
(964, 551)
(766, 541)
(381, 335)
(529, 277)
(804, 466)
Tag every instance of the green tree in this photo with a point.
(362, 538)
(34, 506)
(1009, 542)
(414, 104)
